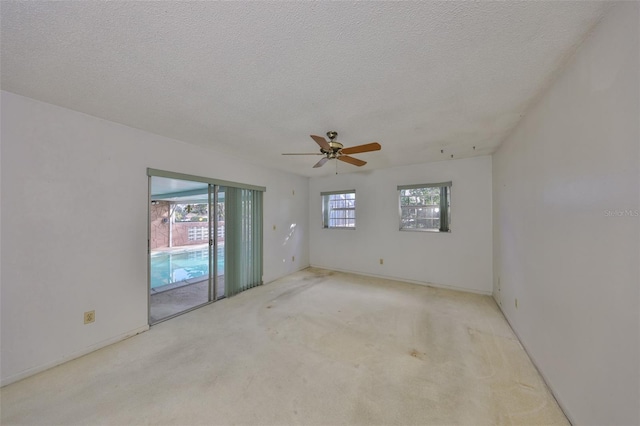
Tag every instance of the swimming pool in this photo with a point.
(173, 267)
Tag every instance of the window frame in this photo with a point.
(326, 211)
(445, 225)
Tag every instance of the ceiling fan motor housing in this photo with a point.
(335, 147)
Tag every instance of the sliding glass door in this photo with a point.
(205, 241)
(179, 249)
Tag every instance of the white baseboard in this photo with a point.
(40, 368)
(405, 280)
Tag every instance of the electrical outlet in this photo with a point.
(381, 261)
(516, 303)
(89, 317)
(293, 258)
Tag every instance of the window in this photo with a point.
(339, 209)
(197, 212)
(425, 207)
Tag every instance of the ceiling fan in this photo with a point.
(332, 149)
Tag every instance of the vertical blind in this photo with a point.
(243, 239)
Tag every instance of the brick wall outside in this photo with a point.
(159, 229)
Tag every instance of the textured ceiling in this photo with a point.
(255, 79)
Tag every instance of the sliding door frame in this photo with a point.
(194, 178)
(212, 198)
(212, 272)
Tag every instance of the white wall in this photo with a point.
(573, 268)
(74, 227)
(461, 259)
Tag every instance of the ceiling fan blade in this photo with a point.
(373, 146)
(303, 153)
(352, 160)
(322, 142)
(321, 162)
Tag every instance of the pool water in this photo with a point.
(172, 267)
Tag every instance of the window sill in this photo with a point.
(346, 228)
(432, 231)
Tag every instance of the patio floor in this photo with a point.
(180, 299)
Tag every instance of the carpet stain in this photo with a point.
(295, 290)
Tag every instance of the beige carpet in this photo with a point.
(315, 347)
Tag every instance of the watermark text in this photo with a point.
(622, 213)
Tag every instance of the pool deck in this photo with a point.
(171, 302)
(183, 283)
